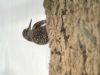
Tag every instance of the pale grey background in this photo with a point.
(17, 55)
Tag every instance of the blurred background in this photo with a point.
(17, 55)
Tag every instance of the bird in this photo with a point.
(37, 33)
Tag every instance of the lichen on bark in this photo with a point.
(73, 28)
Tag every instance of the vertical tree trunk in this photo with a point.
(73, 28)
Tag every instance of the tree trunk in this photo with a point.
(73, 28)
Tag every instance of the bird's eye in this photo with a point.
(29, 39)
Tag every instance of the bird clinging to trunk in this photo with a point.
(37, 33)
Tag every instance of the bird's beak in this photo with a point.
(29, 27)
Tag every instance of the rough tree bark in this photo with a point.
(73, 28)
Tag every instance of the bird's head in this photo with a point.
(26, 32)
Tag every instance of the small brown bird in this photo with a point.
(37, 34)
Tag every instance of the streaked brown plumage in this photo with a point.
(37, 34)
